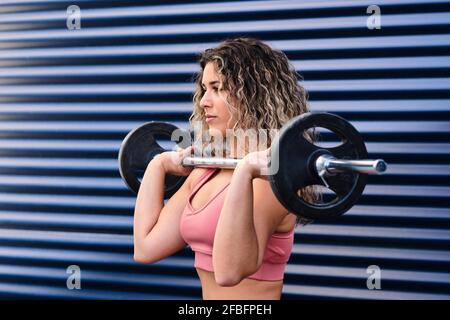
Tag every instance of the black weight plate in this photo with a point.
(296, 168)
(138, 149)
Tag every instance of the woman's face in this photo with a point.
(213, 102)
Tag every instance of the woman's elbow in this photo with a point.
(227, 279)
(141, 257)
(140, 253)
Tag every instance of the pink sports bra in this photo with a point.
(197, 228)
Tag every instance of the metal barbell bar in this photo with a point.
(323, 163)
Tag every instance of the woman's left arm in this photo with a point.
(250, 215)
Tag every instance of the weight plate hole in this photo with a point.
(317, 195)
(322, 137)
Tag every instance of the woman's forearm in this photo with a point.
(149, 203)
(235, 252)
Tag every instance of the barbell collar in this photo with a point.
(332, 165)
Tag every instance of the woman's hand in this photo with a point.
(172, 161)
(257, 164)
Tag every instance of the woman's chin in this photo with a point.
(216, 131)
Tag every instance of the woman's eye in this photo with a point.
(214, 89)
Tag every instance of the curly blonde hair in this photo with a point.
(263, 90)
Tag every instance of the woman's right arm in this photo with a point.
(156, 226)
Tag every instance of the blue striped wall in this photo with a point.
(69, 97)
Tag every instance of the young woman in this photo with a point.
(242, 236)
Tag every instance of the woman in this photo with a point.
(242, 236)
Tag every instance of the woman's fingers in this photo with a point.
(188, 151)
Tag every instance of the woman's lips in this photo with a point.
(210, 118)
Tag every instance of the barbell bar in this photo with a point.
(326, 163)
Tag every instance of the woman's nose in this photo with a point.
(205, 102)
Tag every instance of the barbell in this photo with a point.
(343, 169)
